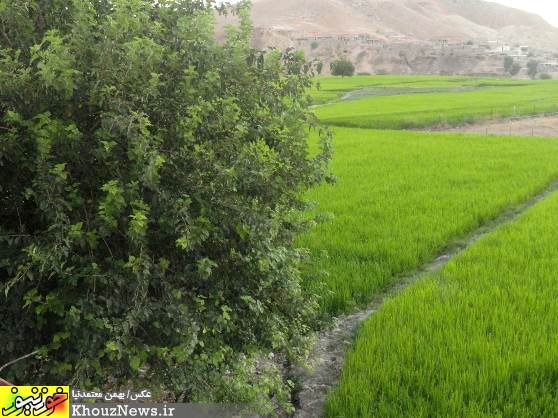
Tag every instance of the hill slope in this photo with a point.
(420, 20)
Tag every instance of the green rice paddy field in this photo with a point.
(483, 100)
(480, 338)
(330, 89)
(401, 197)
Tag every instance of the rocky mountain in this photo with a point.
(367, 30)
(454, 20)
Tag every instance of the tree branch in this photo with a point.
(6, 36)
(18, 359)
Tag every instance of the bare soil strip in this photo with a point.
(546, 126)
(328, 355)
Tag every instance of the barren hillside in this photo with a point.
(406, 36)
(454, 20)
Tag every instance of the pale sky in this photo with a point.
(547, 9)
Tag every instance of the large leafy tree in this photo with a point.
(150, 195)
(342, 67)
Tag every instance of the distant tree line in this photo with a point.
(513, 68)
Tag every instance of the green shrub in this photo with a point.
(545, 76)
(149, 198)
(510, 66)
(342, 67)
(532, 68)
(508, 62)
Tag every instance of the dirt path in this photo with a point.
(527, 126)
(329, 351)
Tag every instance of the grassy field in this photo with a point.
(407, 111)
(329, 88)
(478, 339)
(401, 197)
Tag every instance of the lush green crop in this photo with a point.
(402, 196)
(477, 339)
(331, 88)
(470, 341)
(450, 108)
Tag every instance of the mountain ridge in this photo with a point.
(468, 37)
(418, 20)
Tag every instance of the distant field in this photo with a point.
(489, 99)
(477, 339)
(328, 89)
(402, 196)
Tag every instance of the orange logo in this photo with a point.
(52, 401)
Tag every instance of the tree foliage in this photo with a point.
(149, 198)
(342, 67)
(510, 66)
(508, 62)
(532, 68)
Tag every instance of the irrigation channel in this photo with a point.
(329, 351)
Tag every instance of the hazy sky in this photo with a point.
(548, 9)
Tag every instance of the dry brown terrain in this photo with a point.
(453, 20)
(535, 126)
(404, 36)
